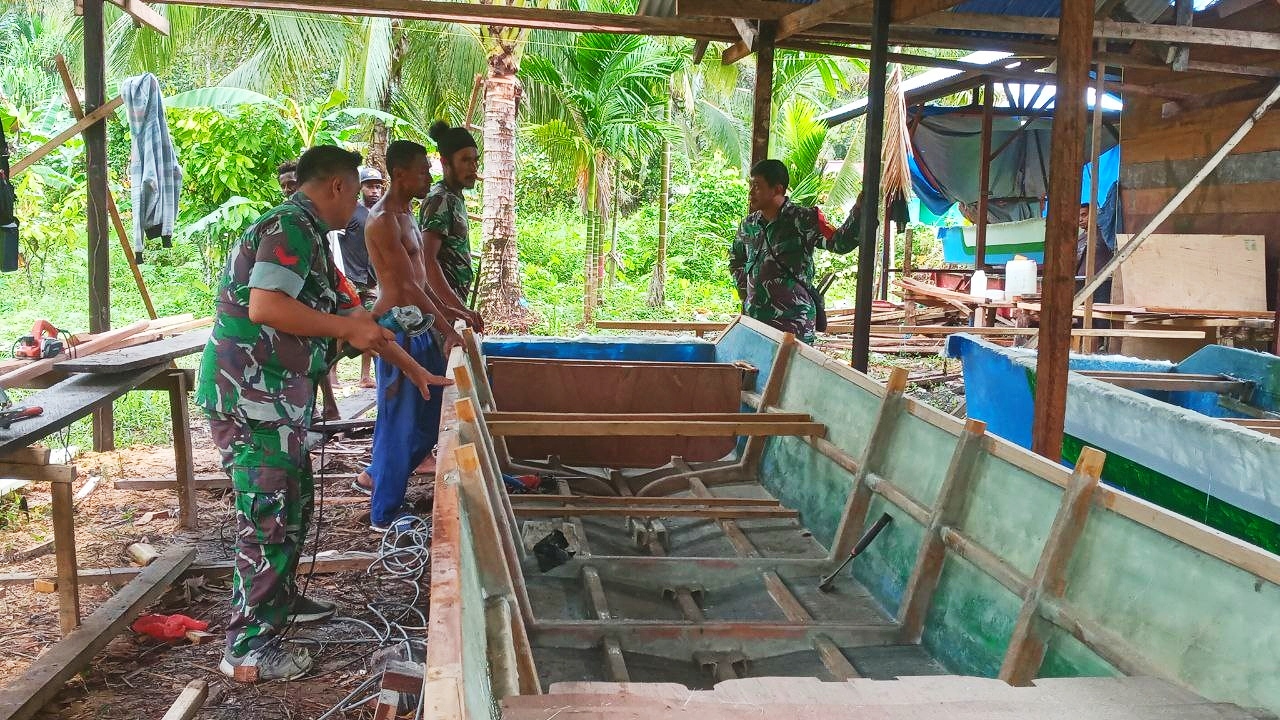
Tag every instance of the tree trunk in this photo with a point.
(591, 264)
(500, 292)
(615, 256)
(381, 136)
(658, 282)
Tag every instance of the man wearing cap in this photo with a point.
(443, 220)
(355, 254)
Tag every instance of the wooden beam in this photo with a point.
(754, 450)
(64, 548)
(1179, 55)
(23, 697)
(1176, 201)
(907, 10)
(1065, 160)
(99, 187)
(144, 14)
(762, 99)
(58, 140)
(56, 474)
(984, 174)
(746, 31)
(756, 9)
(734, 53)
(699, 50)
(504, 15)
(949, 509)
(1026, 647)
(651, 417)
(854, 516)
(652, 428)
(819, 12)
(351, 562)
(1095, 150)
(189, 701)
(1105, 29)
(656, 510)
(901, 330)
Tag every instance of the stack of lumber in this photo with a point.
(16, 371)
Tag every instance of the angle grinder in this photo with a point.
(406, 319)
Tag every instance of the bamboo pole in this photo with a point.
(1089, 344)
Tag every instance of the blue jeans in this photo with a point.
(407, 426)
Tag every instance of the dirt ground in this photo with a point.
(135, 677)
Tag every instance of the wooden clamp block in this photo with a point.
(405, 677)
(44, 585)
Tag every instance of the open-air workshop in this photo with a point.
(925, 363)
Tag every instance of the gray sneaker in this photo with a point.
(272, 661)
(307, 610)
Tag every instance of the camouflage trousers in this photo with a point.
(270, 470)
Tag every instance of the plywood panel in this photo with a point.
(521, 385)
(1220, 272)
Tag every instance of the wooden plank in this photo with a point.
(1062, 227)
(892, 331)
(202, 481)
(23, 697)
(57, 474)
(64, 549)
(350, 562)
(500, 416)
(502, 15)
(647, 428)
(667, 325)
(143, 14)
(1224, 272)
(1210, 164)
(57, 141)
(808, 16)
(184, 468)
(745, 513)
(855, 512)
(100, 341)
(141, 356)
(1108, 29)
(755, 9)
(70, 400)
(1172, 383)
(189, 701)
(1026, 647)
(949, 508)
(697, 501)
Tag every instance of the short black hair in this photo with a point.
(773, 172)
(288, 166)
(325, 161)
(401, 154)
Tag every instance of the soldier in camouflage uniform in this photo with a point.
(446, 233)
(277, 314)
(772, 257)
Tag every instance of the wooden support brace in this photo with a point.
(64, 544)
(1026, 647)
(947, 510)
(855, 511)
(754, 450)
(657, 511)
(57, 140)
(184, 466)
(648, 428)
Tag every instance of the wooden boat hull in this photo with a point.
(1167, 447)
(997, 562)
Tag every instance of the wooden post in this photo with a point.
(872, 150)
(64, 548)
(984, 175)
(947, 511)
(78, 112)
(754, 450)
(1095, 183)
(763, 108)
(184, 468)
(886, 254)
(1026, 647)
(95, 143)
(1074, 43)
(1209, 166)
(855, 509)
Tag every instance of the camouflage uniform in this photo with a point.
(445, 212)
(258, 387)
(767, 258)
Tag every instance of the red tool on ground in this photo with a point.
(43, 342)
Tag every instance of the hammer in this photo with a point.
(828, 582)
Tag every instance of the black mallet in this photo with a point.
(828, 582)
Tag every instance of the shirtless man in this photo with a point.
(407, 425)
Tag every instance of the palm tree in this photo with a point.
(609, 89)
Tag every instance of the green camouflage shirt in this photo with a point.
(254, 371)
(445, 212)
(768, 259)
